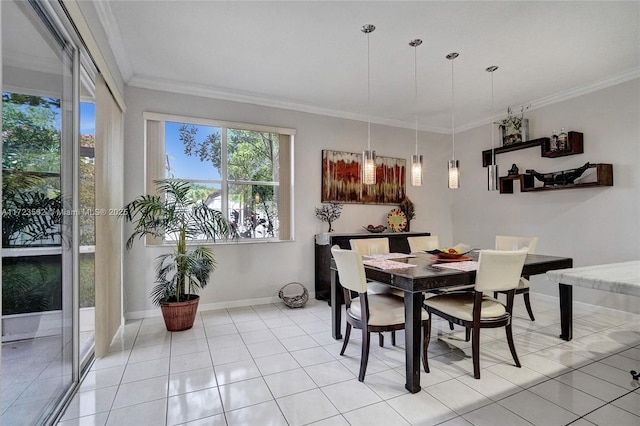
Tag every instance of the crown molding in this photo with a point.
(114, 36)
(623, 77)
(152, 83)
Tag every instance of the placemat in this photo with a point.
(469, 265)
(387, 264)
(387, 256)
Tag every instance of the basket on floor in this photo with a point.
(296, 301)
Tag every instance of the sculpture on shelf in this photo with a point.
(329, 213)
(513, 171)
(563, 177)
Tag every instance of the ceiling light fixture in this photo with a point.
(416, 160)
(454, 165)
(368, 156)
(492, 169)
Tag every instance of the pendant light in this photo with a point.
(492, 169)
(416, 160)
(368, 156)
(454, 165)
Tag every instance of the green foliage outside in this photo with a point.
(32, 205)
(30, 135)
(87, 280)
(31, 284)
(252, 157)
(87, 195)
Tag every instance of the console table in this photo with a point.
(397, 244)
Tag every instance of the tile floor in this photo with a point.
(35, 374)
(271, 365)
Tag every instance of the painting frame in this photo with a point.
(342, 179)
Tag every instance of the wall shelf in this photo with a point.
(486, 155)
(604, 177)
(575, 141)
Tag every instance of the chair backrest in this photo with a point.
(350, 269)
(424, 243)
(499, 270)
(514, 243)
(366, 246)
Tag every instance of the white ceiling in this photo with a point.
(312, 56)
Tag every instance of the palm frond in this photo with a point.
(173, 211)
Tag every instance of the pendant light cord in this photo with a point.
(493, 152)
(368, 95)
(453, 120)
(415, 80)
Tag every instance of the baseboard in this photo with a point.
(213, 306)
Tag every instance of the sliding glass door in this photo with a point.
(41, 214)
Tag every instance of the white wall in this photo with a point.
(596, 225)
(593, 226)
(257, 271)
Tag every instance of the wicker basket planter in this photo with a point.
(297, 300)
(179, 316)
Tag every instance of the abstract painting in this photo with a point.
(342, 179)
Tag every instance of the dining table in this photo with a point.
(415, 276)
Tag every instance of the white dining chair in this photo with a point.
(497, 271)
(370, 312)
(504, 242)
(423, 243)
(368, 246)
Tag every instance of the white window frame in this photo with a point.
(155, 155)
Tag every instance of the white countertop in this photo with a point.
(623, 278)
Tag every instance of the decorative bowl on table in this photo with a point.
(375, 229)
(447, 253)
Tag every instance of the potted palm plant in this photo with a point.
(174, 214)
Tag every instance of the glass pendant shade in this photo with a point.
(416, 160)
(454, 174)
(368, 155)
(368, 167)
(492, 177)
(416, 170)
(454, 165)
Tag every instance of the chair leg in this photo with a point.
(381, 339)
(495, 294)
(426, 335)
(467, 334)
(475, 348)
(364, 357)
(527, 304)
(347, 333)
(512, 347)
(393, 338)
(450, 325)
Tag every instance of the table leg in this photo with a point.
(566, 311)
(336, 312)
(413, 324)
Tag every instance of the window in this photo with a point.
(242, 170)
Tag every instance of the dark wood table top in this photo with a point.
(425, 277)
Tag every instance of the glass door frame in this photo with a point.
(77, 64)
